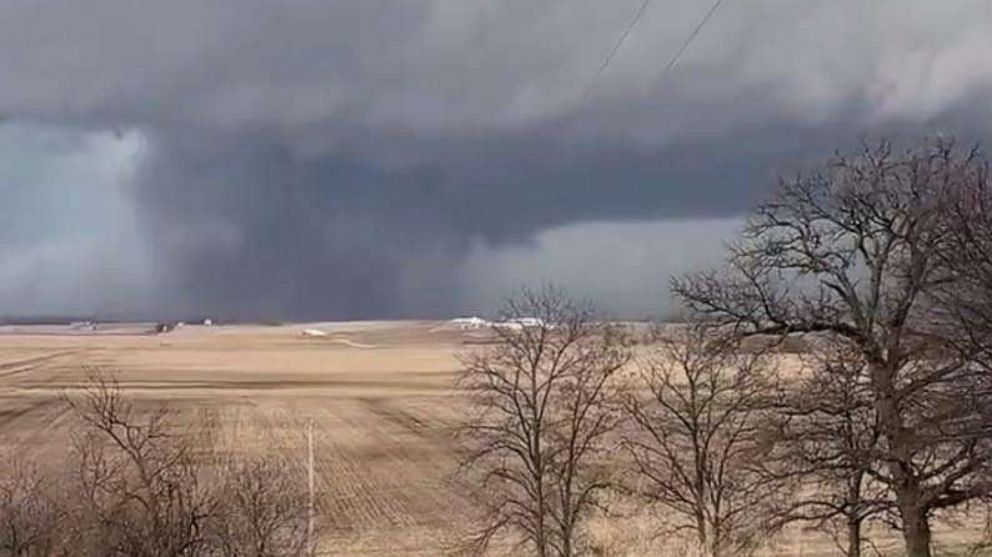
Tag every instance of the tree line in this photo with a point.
(879, 266)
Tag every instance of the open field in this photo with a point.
(380, 393)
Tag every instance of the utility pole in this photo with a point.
(310, 498)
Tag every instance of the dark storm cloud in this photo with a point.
(316, 159)
(259, 230)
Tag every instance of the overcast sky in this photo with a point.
(314, 159)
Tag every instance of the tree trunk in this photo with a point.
(703, 539)
(915, 519)
(854, 517)
(707, 547)
(854, 537)
(566, 540)
(916, 533)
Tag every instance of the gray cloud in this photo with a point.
(627, 263)
(310, 159)
(69, 240)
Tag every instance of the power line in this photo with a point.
(622, 39)
(685, 45)
(616, 48)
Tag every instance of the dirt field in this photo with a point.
(380, 394)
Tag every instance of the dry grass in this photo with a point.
(380, 394)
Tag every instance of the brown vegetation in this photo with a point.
(135, 485)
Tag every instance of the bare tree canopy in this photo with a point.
(142, 486)
(138, 478)
(543, 397)
(33, 520)
(262, 510)
(827, 431)
(697, 439)
(967, 258)
(855, 252)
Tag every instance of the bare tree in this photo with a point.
(141, 491)
(262, 510)
(854, 253)
(827, 433)
(145, 488)
(698, 438)
(32, 518)
(967, 292)
(967, 257)
(541, 396)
